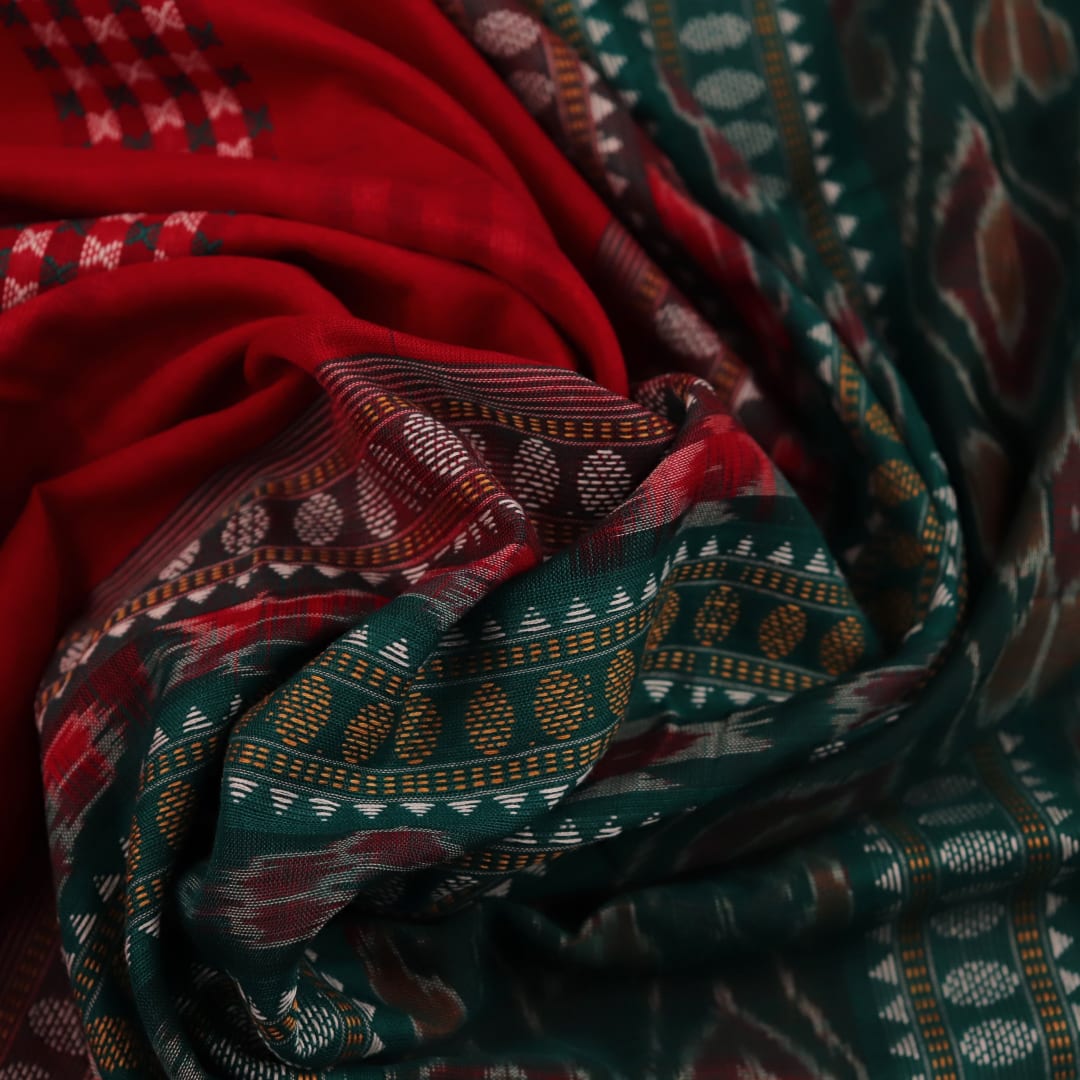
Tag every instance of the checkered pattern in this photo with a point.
(141, 76)
(41, 257)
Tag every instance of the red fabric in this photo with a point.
(378, 193)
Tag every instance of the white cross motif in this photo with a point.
(191, 62)
(35, 240)
(186, 219)
(105, 28)
(95, 253)
(220, 102)
(14, 293)
(239, 149)
(165, 17)
(103, 126)
(80, 78)
(166, 115)
(50, 34)
(138, 71)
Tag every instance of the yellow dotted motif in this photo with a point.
(667, 611)
(717, 615)
(366, 732)
(418, 729)
(113, 1043)
(173, 805)
(302, 709)
(619, 681)
(894, 482)
(842, 647)
(781, 630)
(560, 704)
(489, 719)
(877, 419)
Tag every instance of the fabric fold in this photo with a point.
(555, 526)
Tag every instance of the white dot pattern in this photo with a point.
(505, 33)
(319, 519)
(979, 852)
(686, 332)
(998, 1042)
(376, 509)
(967, 921)
(979, 983)
(536, 91)
(535, 474)
(57, 1022)
(435, 447)
(603, 481)
(246, 529)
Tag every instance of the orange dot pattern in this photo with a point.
(366, 731)
(302, 709)
(619, 681)
(174, 805)
(666, 614)
(417, 730)
(717, 616)
(489, 719)
(781, 631)
(560, 704)
(842, 647)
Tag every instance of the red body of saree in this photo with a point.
(401, 183)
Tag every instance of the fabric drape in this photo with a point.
(539, 539)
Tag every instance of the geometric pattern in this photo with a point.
(491, 721)
(140, 76)
(43, 256)
(534, 689)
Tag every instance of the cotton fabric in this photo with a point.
(556, 528)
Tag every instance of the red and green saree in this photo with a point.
(539, 540)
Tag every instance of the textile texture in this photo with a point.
(540, 539)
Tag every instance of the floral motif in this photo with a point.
(1021, 43)
(996, 268)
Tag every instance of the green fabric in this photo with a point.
(769, 769)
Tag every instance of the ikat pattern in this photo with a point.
(726, 729)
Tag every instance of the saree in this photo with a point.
(540, 540)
